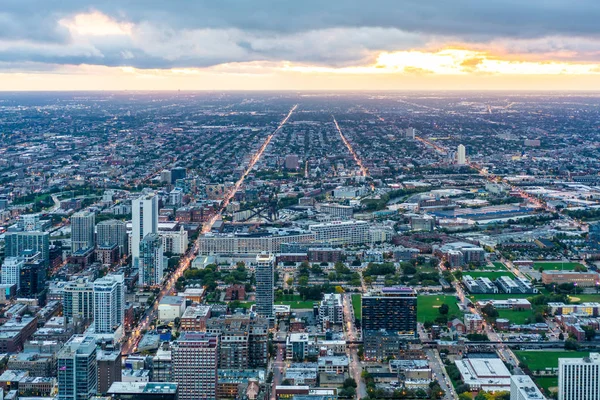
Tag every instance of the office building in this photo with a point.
(579, 378)
(522, 387)
(342, 232)
(461, 155)
(11, 271)
(331, 310)
(112, 232)
(144, 220)
(109, 369)
(265, 279)
(17, 242)
(151, 260)
(77, 369)
(382, 344)
(251, 243)
(78, 301)
(391, 309)
(109, 303)
(195, 357)
(489, 374)
(82, 231)
(143, 391)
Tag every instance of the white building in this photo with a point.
(336, 210)
(489, 374)
(144, 221)
(331, 309)
(175, 242)
(171, 307)
(78, 301)
(461, 158)
(82, 230)
(247, 244)
(579, 378)
(11, 271)
(176, 197)
(342, 232)
(109, 303)
(523, 388)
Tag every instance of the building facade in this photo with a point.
(144, 220)
(195, 358)
(391, 309)
(579, 378)
(151, 260)
(77, 369)
(82, 231)
(265, 291)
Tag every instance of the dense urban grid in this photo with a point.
(307, 246)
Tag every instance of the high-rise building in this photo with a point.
(579, 378)
(33, 275)
(522, 387)
(151, 260)
(331, 310)
(82, 230)
(77, 369)
(176, 197)
(112, 232)
(109, 303)
(195, 357)
(178, 173)
(461, 155)
(109, 369)
(144, 221)
(18, 242)
(391, 309)
(11, 271)
(265, 280)
(410, 133)
(78, 301)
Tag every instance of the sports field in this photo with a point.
(540, 360)
(556, 265)
(357, 305)
(428, 307)
(517, 316)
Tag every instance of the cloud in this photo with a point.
(336, 33)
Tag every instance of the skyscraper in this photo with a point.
(579, 378)
(78, 301)
(178, 173)
(265, 265)
(144, 221)
(461, 158)
(195, 357)
(151, 260)
(11, 271)
(77, 369)
(82, 230)
(109, 303)
(17, 242)
(112, 232)
(391, 309)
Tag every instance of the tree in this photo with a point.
(490, 311)
(590, 333)
(571, 344)
(350, 382)
(464, 396)
(339, 290)
(561, 336)
(289, 281)
(444, 309)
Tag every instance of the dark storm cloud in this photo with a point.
(286, 26)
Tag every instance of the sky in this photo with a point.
(299, 45)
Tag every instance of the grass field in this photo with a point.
(297, 304)
(583, 298)
(499, 265)
(554, 265)
(540, 360)
(427, 307)
(357, 305)
(492, 275)
(516, 316)
(547, 383)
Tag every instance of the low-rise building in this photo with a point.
(171, 307)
